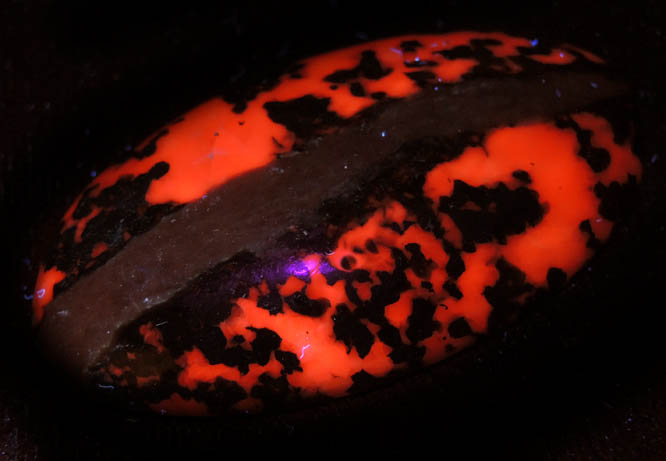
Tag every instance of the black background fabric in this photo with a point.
(582, 376)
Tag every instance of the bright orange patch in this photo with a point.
(43, 294)
(152, 336)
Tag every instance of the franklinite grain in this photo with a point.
(370, 212)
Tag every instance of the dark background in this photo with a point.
(579, 377)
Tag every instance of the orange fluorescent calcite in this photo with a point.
(216, 142)
(43, 294)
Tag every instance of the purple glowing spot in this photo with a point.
(534, 42)
(561, 54)
(40, 293)
(308, 267)
(383, 134)
(417, 59)
(303, 268)
(594, 85)
(396, 50)
(307, 346)
(299, 269)
(93, 173)
(325, 268)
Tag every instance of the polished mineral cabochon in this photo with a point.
(372, 211)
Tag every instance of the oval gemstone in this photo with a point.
(371, 212)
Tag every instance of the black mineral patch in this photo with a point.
(265, 342)
(427, 285)
(456, 266)
(240, 95)
(348, 262)
(369, 67)
(211, 342)
(408, 353)
(557, 279)
(452, 289)
(459, 328)
(391, 284)
(459, 52)
(618, 200)
(272, 302)
(496, 212)
(271, 390)
(421, 77)
(221, 397)
(390, 336)
(420, 322)
(592, 242)
(303, 116)
(303, 305)
(408, 46)
(421, 63)
(150, 148)
(238, 357)
(510, 284)
(523, 176)
(289, 361)
(598, 159)
(357, 89)
(418, 262)
(363, 381)
(351, 331)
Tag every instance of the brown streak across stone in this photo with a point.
(250, 212)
